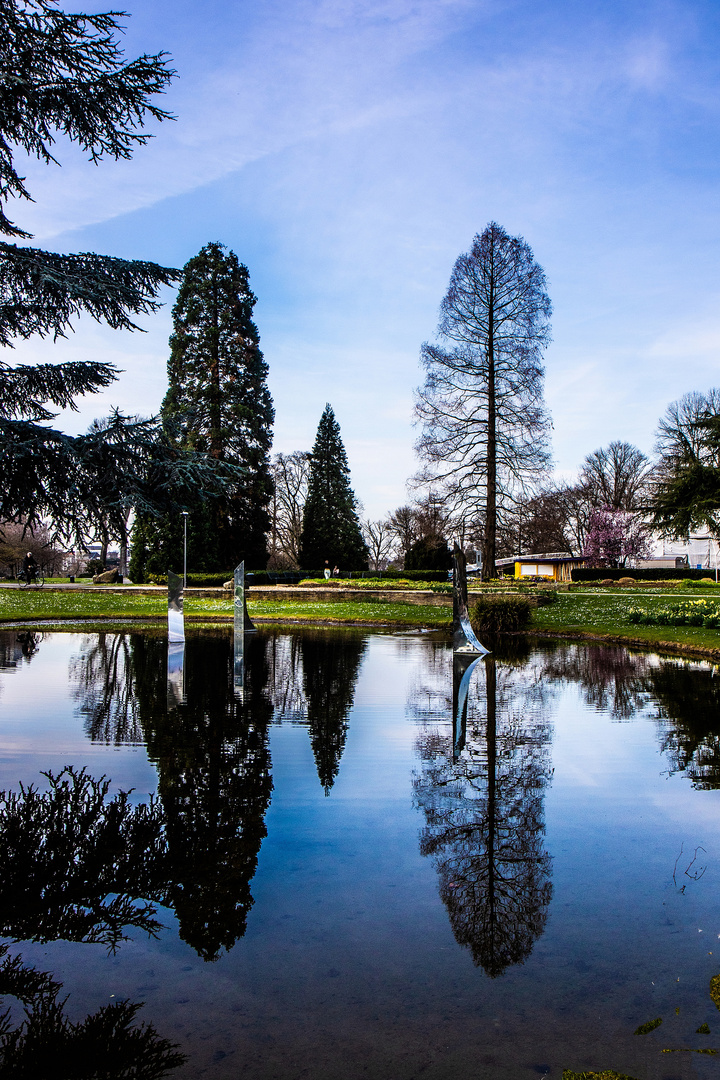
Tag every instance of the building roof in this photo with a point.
(545, 557)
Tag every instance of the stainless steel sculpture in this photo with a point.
(241, 600)
(463, 666)
(175, 674)
(239, 632)
(176, 621)
(464, 640)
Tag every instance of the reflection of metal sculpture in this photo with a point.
(176, 621)
(464, 640)
(463, 667)
(175, 674)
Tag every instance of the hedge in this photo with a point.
(499, 614)
(656, 573)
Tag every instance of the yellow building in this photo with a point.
(552, 566)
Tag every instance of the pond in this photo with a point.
(340, 873)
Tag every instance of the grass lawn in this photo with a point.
(604, 612)
(601, 612)
(22, 604)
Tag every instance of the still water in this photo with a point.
(339, 877)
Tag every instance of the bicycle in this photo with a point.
(35, 577)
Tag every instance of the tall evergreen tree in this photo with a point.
(331, 528)
(218, 404)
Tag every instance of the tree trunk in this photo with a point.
(490, 544)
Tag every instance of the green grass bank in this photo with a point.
(580, 613)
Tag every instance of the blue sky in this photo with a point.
(349, 151)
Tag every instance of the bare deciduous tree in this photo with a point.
(290, 473)
(615, 476)
(380, 539)
(485, 425)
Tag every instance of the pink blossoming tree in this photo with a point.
(614, 536)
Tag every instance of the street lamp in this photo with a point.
(185, 517)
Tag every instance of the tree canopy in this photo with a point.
(686, 492)
(331, 527)
(485, 426)
(218, 405)
(64, 76)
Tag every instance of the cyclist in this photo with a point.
(29, 567)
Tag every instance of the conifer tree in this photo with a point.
(218, 404)
(63, 77)
(331, 528)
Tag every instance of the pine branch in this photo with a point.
(41, 291)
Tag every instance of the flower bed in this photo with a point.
(687, 613)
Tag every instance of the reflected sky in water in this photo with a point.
(348, 889)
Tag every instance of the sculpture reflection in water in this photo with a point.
(481, 790)
(214, 770)
(77, 866)
(314, 676)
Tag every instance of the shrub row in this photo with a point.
(655, 573)
(198, 581)
(499, 614)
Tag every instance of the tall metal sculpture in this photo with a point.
(464, 640)
(176, 642)
(176, 620)
(242, 625)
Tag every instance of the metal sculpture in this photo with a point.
(464, 640)
(239, 632)
(176, 620)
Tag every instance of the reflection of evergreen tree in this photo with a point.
(103, 682)
(688, 703)
(485, 828)
(214, 783)
(331, 664)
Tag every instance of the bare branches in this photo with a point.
(485, 428)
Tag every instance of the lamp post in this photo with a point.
(185, 517)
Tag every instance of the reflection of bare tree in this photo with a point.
(285, 663)
(103, 682)
(484, 814)
(612, 678)
(313, 678)
(688, 708)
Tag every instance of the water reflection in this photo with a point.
(46, 1042)
(16, 646)
(214, 782)
(314, 675)
(103, 679)
(483, 804)
(77, 866)
(688, 709)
